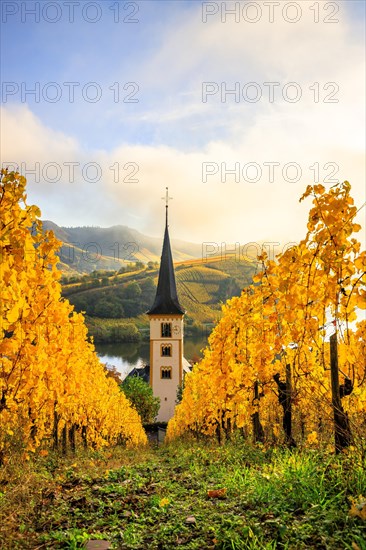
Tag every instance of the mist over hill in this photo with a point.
(111, 274)
(86, 249)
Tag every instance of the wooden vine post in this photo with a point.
(342, 430)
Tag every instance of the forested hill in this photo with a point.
(86, 249)
(110, 297)
(111, 275)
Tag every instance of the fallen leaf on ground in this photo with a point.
(216, 493)
(190, 519)
(358, 508)
(98, 545)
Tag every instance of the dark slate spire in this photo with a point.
(166, 299)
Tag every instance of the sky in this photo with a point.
(235, 106)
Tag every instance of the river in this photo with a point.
(126, 356)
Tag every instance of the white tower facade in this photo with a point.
(166, 334)
(166, 361)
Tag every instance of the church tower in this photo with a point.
(166, 333)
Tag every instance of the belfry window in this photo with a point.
(166, 350)
(166, 330)
(166, 373)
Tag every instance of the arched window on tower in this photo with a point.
(166, 350)
(166, 373)
(166, 330)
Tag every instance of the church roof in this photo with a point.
(141, 372)
(166, 299)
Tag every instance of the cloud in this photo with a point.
(212, 211)
(320, 138)
(24, 135)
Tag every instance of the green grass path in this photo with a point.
(157, 499)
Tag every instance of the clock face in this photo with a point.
(176, 329)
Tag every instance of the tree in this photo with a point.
(51, 379)
(148, 288)
(269, 358)
(132, 291)
(142, 398)
(108, 309)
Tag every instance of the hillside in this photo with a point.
(202, 287)
(111, 274)
(86, 249)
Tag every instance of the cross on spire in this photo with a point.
(166, 199)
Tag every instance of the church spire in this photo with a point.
(166, 299)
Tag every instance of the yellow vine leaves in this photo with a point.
(279, 327)
(50, 375)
